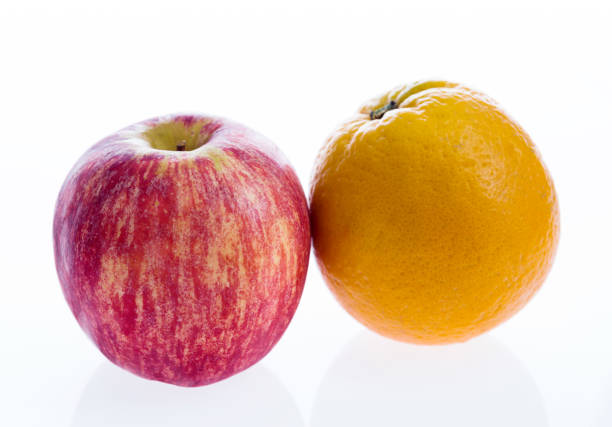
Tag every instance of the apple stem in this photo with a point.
(181, 146)
(377, 114)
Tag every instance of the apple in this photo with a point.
(181, 245)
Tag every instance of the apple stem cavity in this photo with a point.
(181, 145)
(378, 113)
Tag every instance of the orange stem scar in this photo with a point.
(377, 114)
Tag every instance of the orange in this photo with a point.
(433, 216)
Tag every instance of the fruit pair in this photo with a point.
(182, 242)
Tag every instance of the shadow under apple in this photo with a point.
(114, 397)
(379, 382)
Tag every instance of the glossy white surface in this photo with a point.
(73, 72)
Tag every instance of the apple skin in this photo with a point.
(183, 266)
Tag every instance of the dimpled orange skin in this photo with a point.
(436, 222)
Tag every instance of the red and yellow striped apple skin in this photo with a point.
(183, 267)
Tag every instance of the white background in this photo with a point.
(71, 73)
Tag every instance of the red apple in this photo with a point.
(182, 244)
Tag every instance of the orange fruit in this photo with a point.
(433, 216)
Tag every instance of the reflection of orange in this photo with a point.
(434, 218)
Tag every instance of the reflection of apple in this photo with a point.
(181, 244)
(255, 398)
